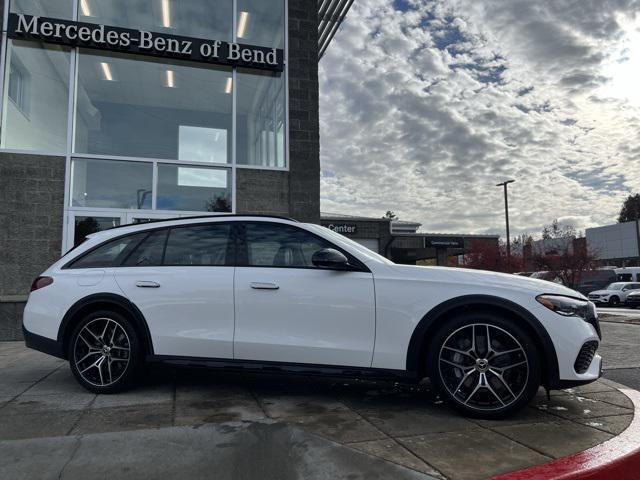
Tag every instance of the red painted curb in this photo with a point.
(615, 459)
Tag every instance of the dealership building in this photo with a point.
(401, 241)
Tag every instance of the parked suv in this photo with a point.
(633, 299)
(614, 294)
(255, 293)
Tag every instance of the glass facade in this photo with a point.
(146, 137)
(36, 99)
(134, 106)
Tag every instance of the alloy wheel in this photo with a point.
(483, 367)
(102, 352)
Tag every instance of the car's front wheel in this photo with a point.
(614, 301)
(104, 352)
(485, 365)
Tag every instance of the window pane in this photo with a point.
(36, 97)
(44, 8)
(261, 119)
(194, 189)
(201, 245)
(110, 254)
(148, 252)
(272, 245)
(87, 225)
(135, 107)
(108, 184)
(192, 18)
(261, 22)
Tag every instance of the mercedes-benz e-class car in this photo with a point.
(252, 293)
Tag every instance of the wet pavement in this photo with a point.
(257, 426)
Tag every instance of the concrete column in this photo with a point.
(441, 257)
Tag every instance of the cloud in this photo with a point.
(425, 106)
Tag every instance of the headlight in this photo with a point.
(566, 306)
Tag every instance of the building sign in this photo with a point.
(142, 42)
(444, 242)
(343, 228)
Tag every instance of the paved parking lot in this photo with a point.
(250, 426)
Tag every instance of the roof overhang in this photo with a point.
(331, 13)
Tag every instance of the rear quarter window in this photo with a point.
(109, 254)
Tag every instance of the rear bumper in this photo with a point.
(43, 344)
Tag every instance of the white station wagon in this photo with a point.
(252, 292)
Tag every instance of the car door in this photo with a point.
(632, 287)
(288, 310)
(181, 279)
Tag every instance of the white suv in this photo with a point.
(614, 294)
(253, 293)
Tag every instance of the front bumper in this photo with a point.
(569, 335)
(599, 301)
(43, 344)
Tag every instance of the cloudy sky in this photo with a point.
(426, 105)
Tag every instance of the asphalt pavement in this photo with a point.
(620, 349)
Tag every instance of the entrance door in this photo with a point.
(81, 224)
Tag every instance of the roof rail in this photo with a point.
(196, 217)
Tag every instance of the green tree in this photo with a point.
(630, 209)
(390, 215)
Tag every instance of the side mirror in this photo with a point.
(330, 258)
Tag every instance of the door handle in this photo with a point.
(264, 286)
(146, 284)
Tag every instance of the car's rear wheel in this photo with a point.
(104, 352)
(614, 301)
(484, 364)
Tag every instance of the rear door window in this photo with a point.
(149, 252)
(200, 245)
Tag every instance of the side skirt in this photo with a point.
(251, 366)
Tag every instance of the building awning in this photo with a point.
(331, 13)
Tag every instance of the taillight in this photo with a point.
(41, 282)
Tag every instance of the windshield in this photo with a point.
(615, 286)
(355, 245)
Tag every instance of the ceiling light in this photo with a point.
(84, 6)
(166, 14)
(242, 24)
(170, 82)
(106, 71)
(229, 86)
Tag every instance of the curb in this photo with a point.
(617, 458)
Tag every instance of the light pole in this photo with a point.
(506, 215)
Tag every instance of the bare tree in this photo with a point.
(569, 260)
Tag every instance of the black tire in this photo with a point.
(483, 384)
(107, 337)
(614, 301)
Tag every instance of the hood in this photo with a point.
(499, 280)
(604, 292)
